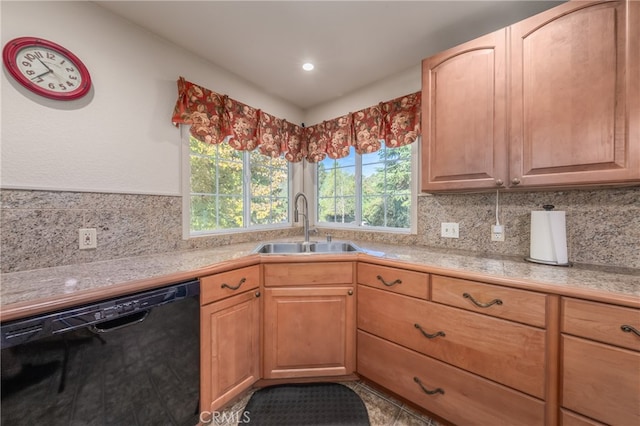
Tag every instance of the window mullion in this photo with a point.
(358, 191)
(246, 188)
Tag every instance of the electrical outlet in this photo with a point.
(87, 238)
(449, 230)
(497, 233)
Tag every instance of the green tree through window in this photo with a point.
(222, 199)
(382, 200)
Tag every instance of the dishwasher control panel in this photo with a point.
(27, 329)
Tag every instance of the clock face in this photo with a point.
(46, 68)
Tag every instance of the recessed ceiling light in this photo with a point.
(307, 66)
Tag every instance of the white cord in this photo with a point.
(497, 197)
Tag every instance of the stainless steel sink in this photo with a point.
(312, 247)
(280, 248)
(333, 247)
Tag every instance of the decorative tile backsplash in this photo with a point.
(40, 228)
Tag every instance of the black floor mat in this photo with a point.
(305, 405)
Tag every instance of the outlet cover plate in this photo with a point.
(449, 230)
(87, 238)
(497, 233)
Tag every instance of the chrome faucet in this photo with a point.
(296, 214)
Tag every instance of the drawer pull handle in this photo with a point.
(482, 305)
(427, 391)
(231, 287)
(427, 335)
(257, 294)
(398, 281)
(630, 329)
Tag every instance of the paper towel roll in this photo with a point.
(548, 238)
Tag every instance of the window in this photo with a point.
(231, 190)
(373, 190)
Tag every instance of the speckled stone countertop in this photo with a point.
(22, 289)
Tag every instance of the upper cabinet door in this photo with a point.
(463, 116)
(575, 95)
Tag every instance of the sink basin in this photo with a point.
(300, 247)
(273, 248)
(337, 247)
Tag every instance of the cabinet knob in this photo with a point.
(350, 292)
(499, 182)
(257, 294)
(515, 181)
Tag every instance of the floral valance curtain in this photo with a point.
(215, 118)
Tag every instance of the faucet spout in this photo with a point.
(296, 214)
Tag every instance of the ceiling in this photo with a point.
(352, 43)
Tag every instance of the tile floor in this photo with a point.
(383, 410)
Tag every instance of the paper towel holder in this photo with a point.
(560, 245)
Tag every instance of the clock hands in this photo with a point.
(44, 73)
(45, 65)
(40, 75)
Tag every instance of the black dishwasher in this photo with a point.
(131, 360)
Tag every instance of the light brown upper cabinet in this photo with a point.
(570, 83)
(464, 116)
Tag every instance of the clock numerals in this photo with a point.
(46, 68)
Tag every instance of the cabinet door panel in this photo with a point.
(463, 115)
(230, 349)
(309, 332)
(570, 96)
(601, 381)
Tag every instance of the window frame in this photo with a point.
(187, 233)
(415, 179)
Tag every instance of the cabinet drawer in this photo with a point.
(502, 302)
(397, 280)
(283, 274)
(225, 284)
(467, 398)
(509, 353)
(601, 322)
(601, 381)
(568, 418)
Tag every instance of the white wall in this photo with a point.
(403, 83)
(119, 138)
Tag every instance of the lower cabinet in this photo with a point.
(229, 345)
(600, 351)
(454, 394)
(309, 331)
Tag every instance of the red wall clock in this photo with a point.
(46, 68)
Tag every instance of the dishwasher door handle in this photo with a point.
(118, 323)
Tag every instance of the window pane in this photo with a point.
(336, 190)
(203, 213)
(385, 193)
(203, 175)
(398, 211)
(269, 189)
(230, 212)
